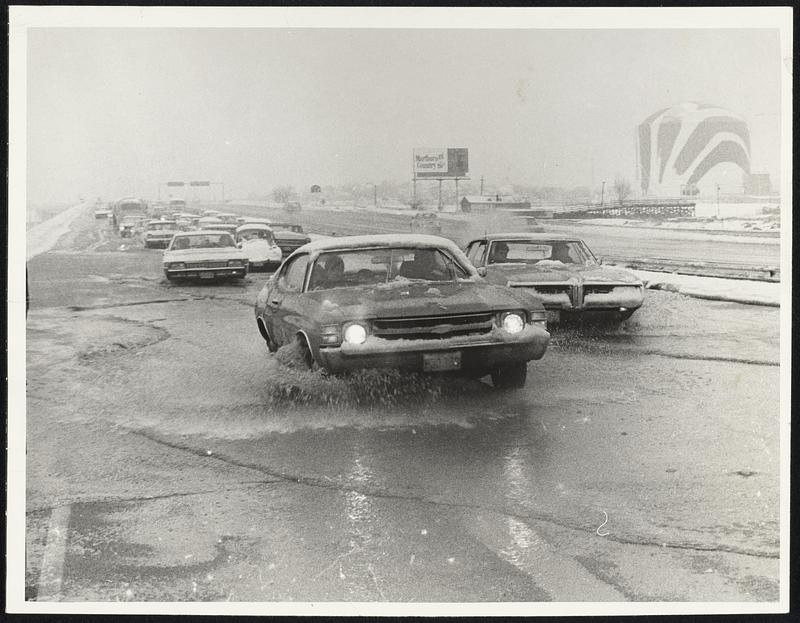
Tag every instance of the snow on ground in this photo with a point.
(42, 237)
(755, 224)
(714, 288)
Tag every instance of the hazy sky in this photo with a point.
(116, 111)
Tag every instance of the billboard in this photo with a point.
(441, 163)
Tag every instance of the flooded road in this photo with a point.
(181, 461)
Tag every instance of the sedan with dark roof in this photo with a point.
(409, 302)
(560, 271)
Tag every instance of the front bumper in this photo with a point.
(574, 299)
(158, 242)
(479, 354)
(206, 273)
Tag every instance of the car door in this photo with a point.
(282, 303)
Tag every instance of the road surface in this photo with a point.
(171, 458)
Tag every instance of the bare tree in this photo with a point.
(622, 188)
(282, 194)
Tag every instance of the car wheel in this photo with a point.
(510, 376)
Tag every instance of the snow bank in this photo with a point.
(714, 288)
(42, 237)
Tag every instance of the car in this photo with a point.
(129, 225)
(204, 254)
(426, 223)
(292, 206)
(289, 236)
(102, 213)
(210, 213)
(258, 244)
(227, 217)
(561, 271)
(402, 301)
(159, 233)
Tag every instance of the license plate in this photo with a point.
(206, 275)
(438, 362)
(553, 315)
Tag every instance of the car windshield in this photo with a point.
(207, 241)
(344, 269)
(255, 234)
(160, 226)
(540, 252)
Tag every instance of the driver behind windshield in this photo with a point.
(499, 253)
(425, 265)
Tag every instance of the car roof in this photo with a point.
(379, 240)
(158, 220)
(201, 232)
(256, 226)
(525, 236)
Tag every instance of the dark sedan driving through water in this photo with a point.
(409, 302)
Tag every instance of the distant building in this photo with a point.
(485, 203)
(691, 148)
(757, 184)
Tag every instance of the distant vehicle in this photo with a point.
(128, 226)
(102, 213)
(258, 243)
(204, 255)
(208, 222)
(292, 206)
(289, 237)
(186, 221)
(560, 271)
(177, 205)
(426, 223)
(227, 217)
(210, 213)
(159, 233)
(400, 301)
(128, 206)
(255, 219)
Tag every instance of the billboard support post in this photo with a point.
(456, 194)
(439, 207)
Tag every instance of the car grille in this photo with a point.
(598, 289)
(206, 264)
(552, 289)
(433, 327)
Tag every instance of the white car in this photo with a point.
(159, 233)
(258, 243)
(205, 254)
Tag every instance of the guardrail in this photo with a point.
(726, 270)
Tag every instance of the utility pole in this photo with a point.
(439, 207)
(602, 193)
(375, 198)
(481, 185)
(456, 194)
(717, 201)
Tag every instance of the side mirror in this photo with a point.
(482, 271)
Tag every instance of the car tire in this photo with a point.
(510, 376)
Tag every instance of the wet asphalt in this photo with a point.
(639, 463)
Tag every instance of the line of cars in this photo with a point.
(222, 245)
(418, 302)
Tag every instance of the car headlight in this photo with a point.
(355, 334)
(513, 322)
(177, 265)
